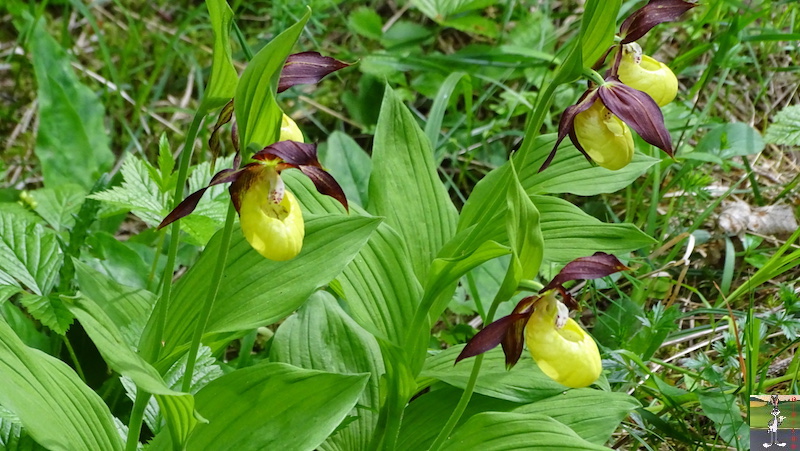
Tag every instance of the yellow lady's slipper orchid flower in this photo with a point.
(566, 354)
(603, 136)
(648, 75)
(274, 230)
(290, 131)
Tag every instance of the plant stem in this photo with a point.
(166, 292)
(216, 279)
(74, 358)
(137, 415)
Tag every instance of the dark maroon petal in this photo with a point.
(655, 12)
(225, 115)
(325, 183)
(184, 208)
(245, 177)
(598, 265)
(491, 336)
(237, 159)
(225, 176)
(566, 124)
(639, 111)
(307, 68)
(292, 152)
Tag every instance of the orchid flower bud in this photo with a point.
(604, 137)
(648, 75)
(561, 348)
(289, 130)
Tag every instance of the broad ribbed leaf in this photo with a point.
(496, 431)
(426, 415)
(524, 383)
(55, 407)
(593, 414)
(223, 80)
(257, 291)
(433, 127)
(71, 142)
(127, 307)
(271, 406)
(320, 336)
(349, 165)
(597, 28)
(29, 253)
(405, 188)
(178, 408)
(258, 116)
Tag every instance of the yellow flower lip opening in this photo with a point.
(568, 354)
(274, 230)
(604, 137)
(648, 75)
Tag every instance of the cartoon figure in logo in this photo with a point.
(773, 424)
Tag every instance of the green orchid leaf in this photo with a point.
(593, 414)
(598, 26)
(126, 307)
(223, 80)
(405, 188)
(321, 336)
(257, 113)
(495, 431)
(426, 416)
(257, 291)
(54, 406)
(271, 406)
(349, 165)
(71, 117)
(178, 408)
(29, 254)
(523, 229)
(524, 383)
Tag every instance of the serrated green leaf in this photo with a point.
(139, 193)
(321, 336)
(495, 431)
(785, 127)
(29, 253)
(405, 188)
(349, 165)
(592, 414)
(71, 117)
(49, 310)
(177, 407)
(523, 384)
(223, 80)
(166, 163)
(54, 406)
(257, 291)
(271, 406)
(258, 116)
(57, 206)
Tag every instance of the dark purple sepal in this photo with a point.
(639, 111)
(307, 68)
(653, 13)
(584, 268)
(514, 340)
(491, 336)
(292, 152)
(325, 183)
(246, 176)
(237, 159)
(566, 125)
(187, 206)
(225, 116)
